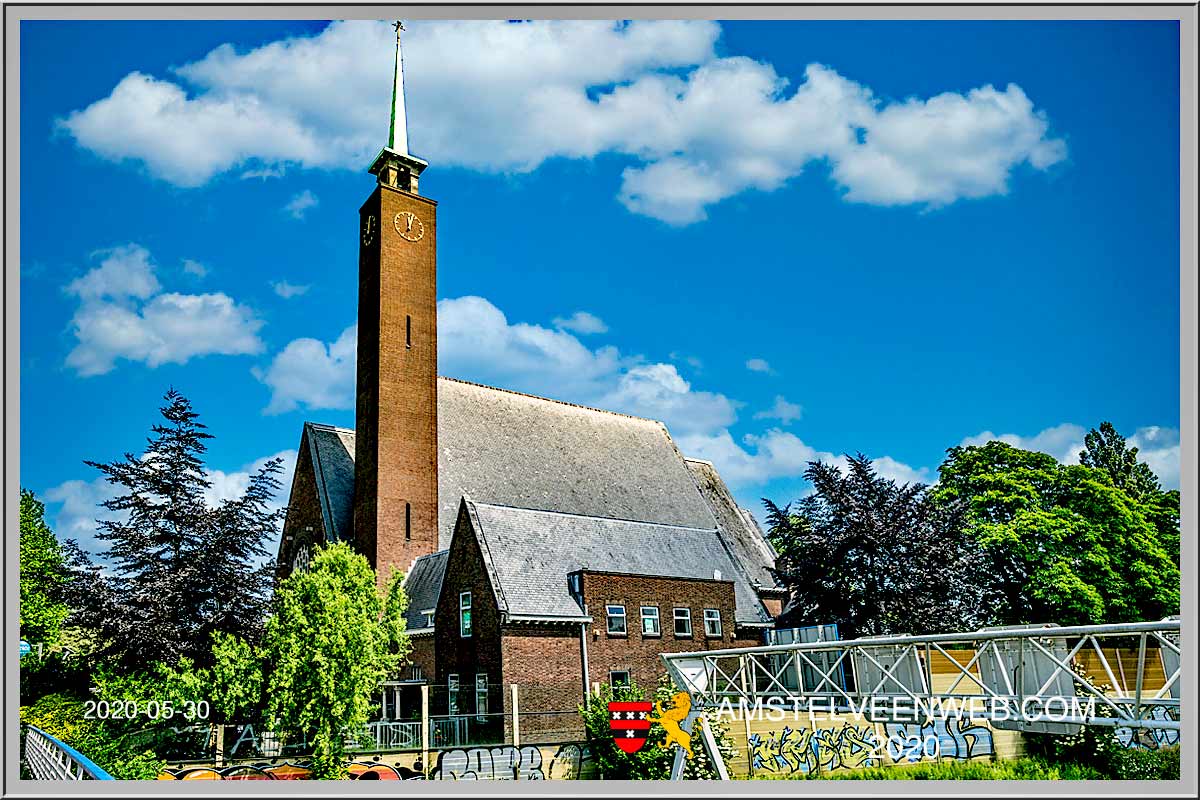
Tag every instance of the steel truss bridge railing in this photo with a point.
(49, 759)
(1036, 678)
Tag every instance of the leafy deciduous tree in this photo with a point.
(874, 556)
(330, 641)
(43, 573)
(1066, 545)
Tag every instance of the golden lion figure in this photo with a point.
(670, 720)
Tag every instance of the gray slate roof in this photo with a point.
(423, 585)
(742, 534)
(332, 452)
(529, 554)
(513, 449)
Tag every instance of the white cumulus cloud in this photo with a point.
(124, 315)
(300, 203)
(506, 97)
(581, 322)
(782, 410)
(312, 373)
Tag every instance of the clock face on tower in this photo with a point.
(369, 229)
(409, 226)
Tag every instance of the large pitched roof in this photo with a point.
(513, 449)
(529, 554)
(742, 534)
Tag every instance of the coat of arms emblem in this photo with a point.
(630, 723)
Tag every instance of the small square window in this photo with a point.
(712, 623)
(464, 615)
(619, 677)
(428, 615)
(650, 626)
(616, 620)
(683, 622)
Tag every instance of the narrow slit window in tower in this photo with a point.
(407, 521)
(408, 331)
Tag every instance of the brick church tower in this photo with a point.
(395, 453)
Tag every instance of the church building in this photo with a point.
(544, 544)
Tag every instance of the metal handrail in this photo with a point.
(52, 759)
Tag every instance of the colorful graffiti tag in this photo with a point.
(571, 761)
(1145, 739)
(948, 737)
(806, 750)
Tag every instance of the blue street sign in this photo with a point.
(25, 648)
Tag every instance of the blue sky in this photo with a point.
(787, 240)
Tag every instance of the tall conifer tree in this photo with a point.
(176, 569)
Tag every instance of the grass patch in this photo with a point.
(1021, 769)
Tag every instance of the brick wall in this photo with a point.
(545, 663)
(423, 656)
(304, 512)
(465, 657)
(395, 505)
(636, 651)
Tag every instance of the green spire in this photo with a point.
(398, 130)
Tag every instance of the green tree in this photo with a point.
(874, 556)
(1065, 544)
(43, 573)
(331, 640)
(651, 762)
(180, 569)
(1107, 450)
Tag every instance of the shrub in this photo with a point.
(123, 754)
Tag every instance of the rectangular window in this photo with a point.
(618, 677)
(650, 626)
(683, 622)
(407, 521)
(481, 696)
(428, 615)
(464, 615)
(616, 619)
(452, 694)
(712, 623)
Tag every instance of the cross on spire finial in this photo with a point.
(395, 166)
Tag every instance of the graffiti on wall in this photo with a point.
(946, 737)
(503, 763)
(1145, 739)
(571, 761)
(803, 750)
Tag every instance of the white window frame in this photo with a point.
(612, 682)
(712, 615)
(651, 617)
(686, 617)
(464, 619)
(481, 692)
(612, 617)
(452, 694)
(428, 614)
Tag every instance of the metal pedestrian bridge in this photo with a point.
(1034, 678)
